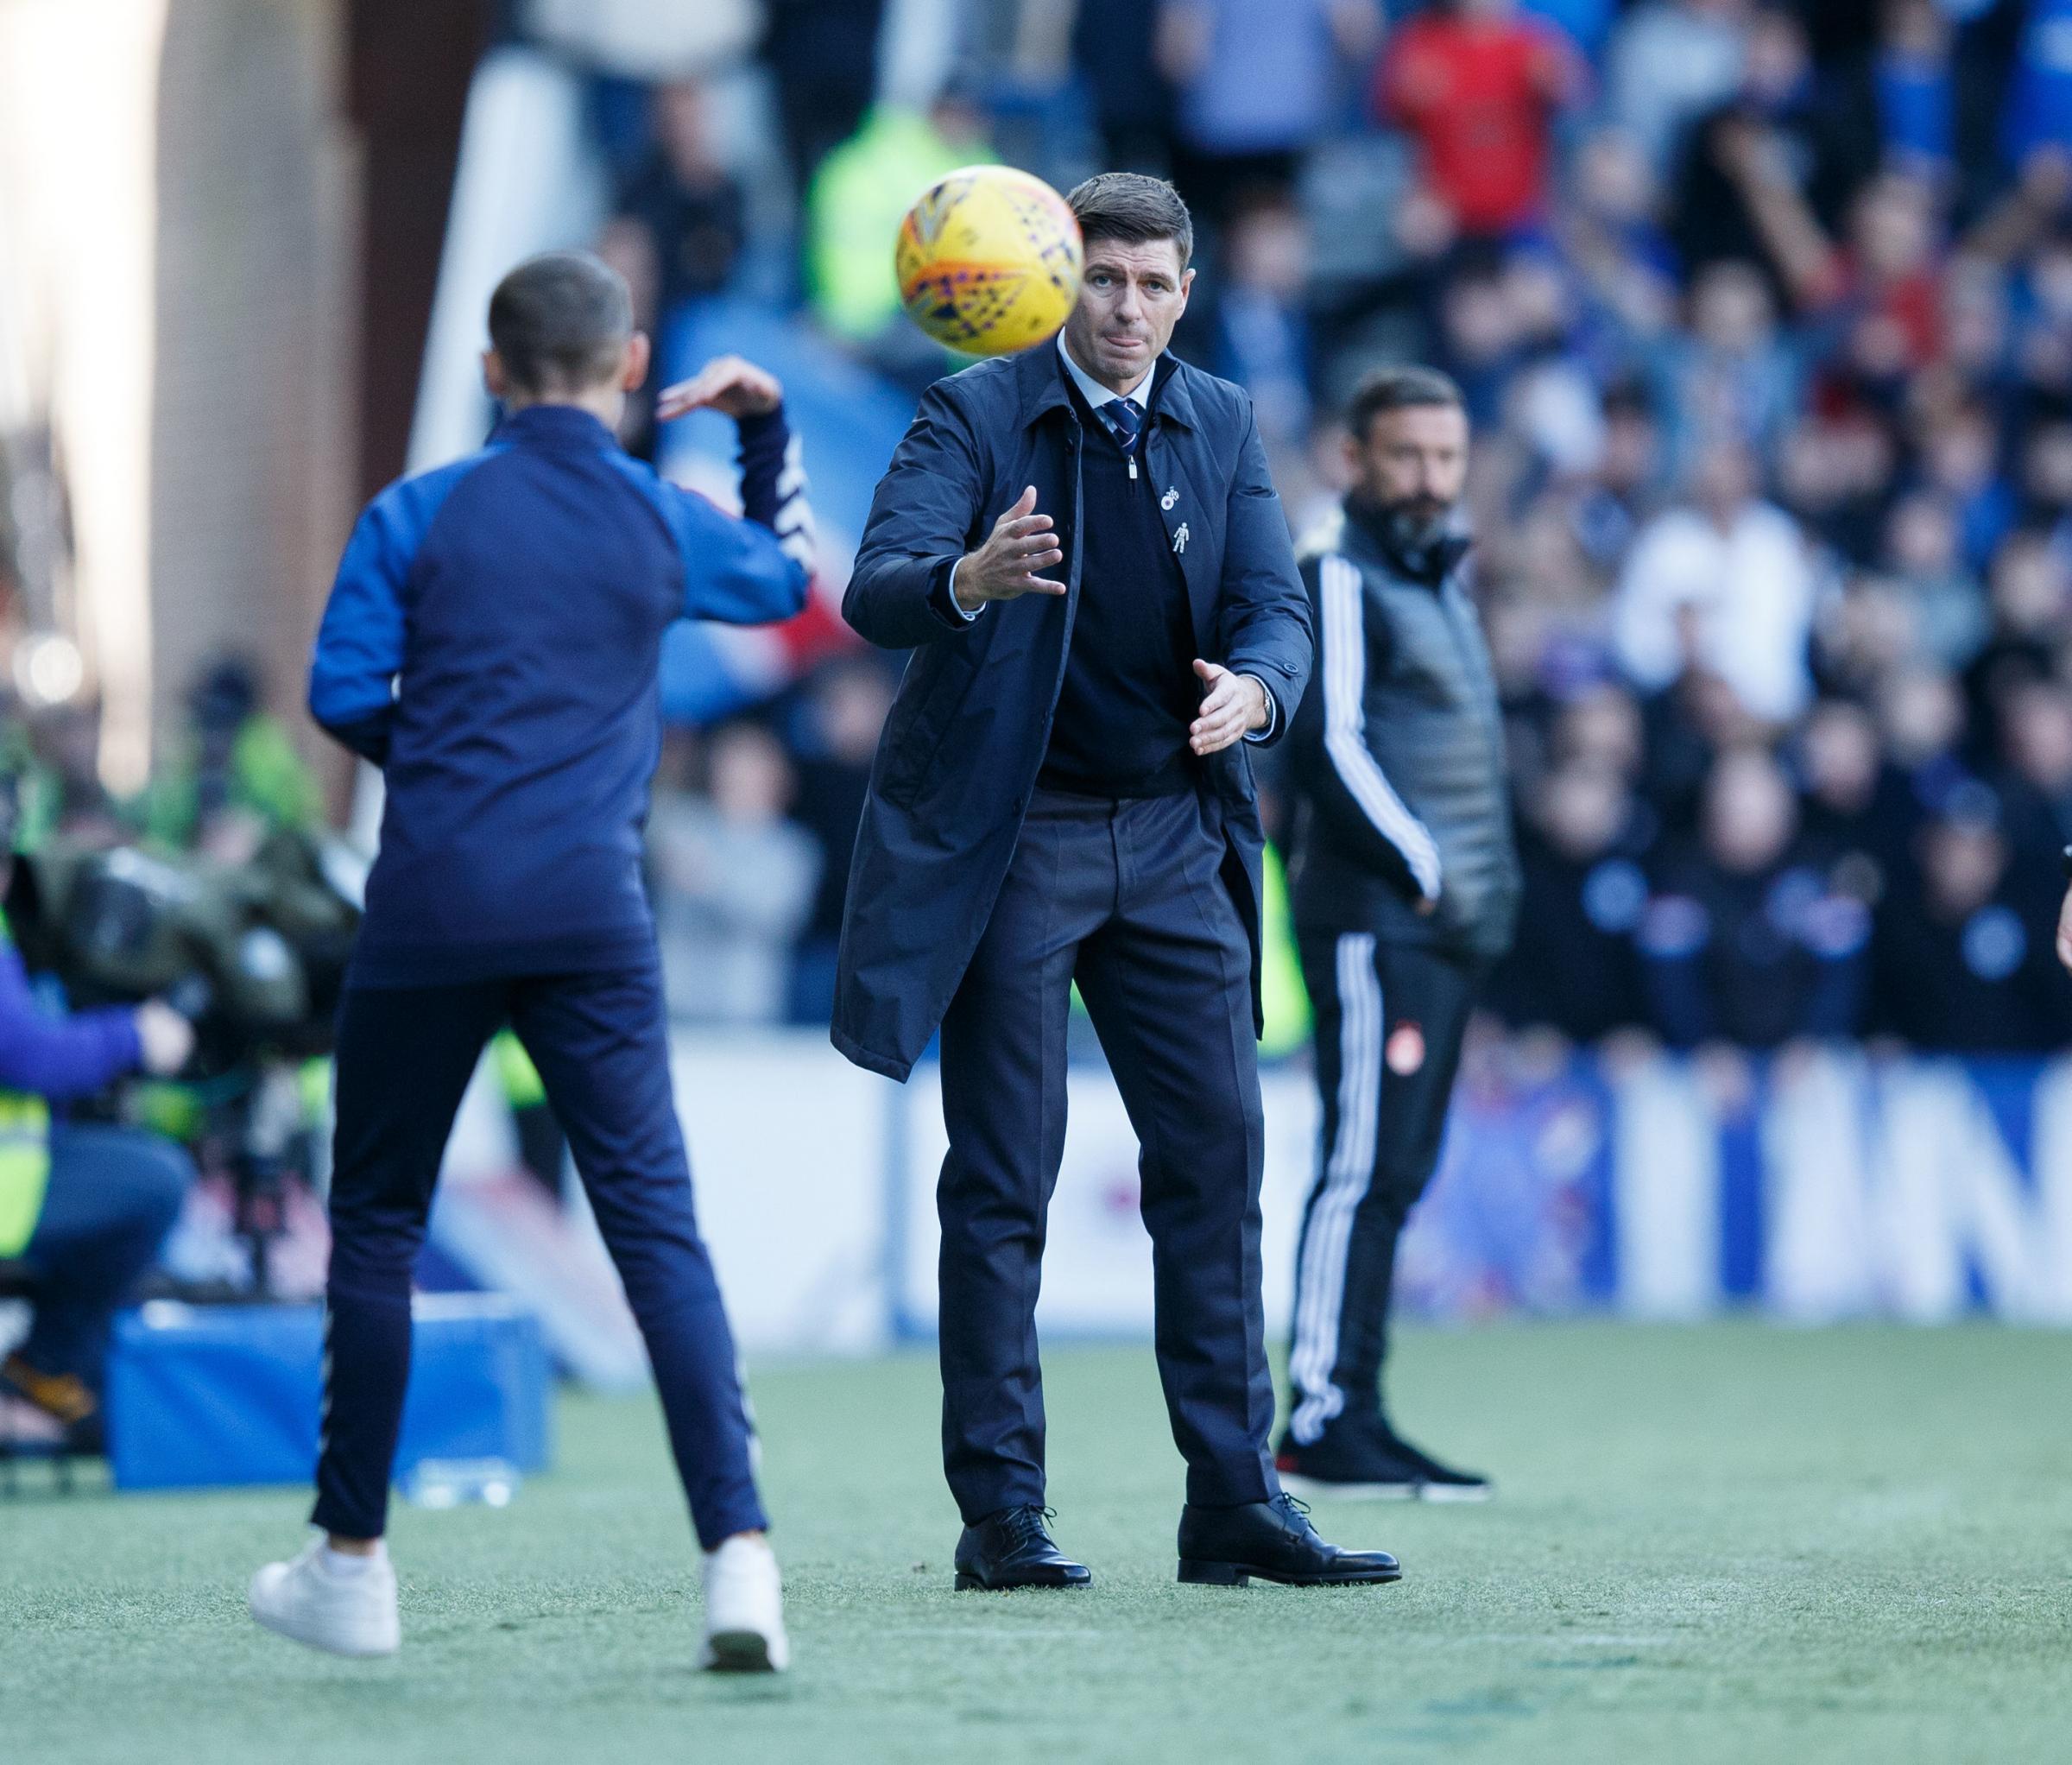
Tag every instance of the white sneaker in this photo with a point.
(348, 1613)
(744, 1610)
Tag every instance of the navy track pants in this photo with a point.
(601, 1043)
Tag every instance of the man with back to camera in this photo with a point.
(492, 643)
(1081, 547)
(1405, 892)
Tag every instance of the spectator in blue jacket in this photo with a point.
(1745, 942)
(85, 1208)
(492, 643)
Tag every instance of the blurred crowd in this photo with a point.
(1764, 314)
(1765, 317)
(230, 776)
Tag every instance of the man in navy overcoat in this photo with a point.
(1083, 548)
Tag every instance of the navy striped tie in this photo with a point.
(1124, 421)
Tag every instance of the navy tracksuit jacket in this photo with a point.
(492, 643)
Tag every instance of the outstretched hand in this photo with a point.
(1234, 703)
(732, 385)
(2064, 931)
(1004, 568)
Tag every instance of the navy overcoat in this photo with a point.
(969, 730)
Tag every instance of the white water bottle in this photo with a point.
(449, 1483)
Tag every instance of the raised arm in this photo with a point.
(921, 523)
(755, 568)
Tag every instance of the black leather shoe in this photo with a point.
(1273, 1541)
(1013, 1548)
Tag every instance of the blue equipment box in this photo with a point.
(201, 1395)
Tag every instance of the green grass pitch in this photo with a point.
(1725, 1543)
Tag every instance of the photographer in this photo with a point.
(84, 1207)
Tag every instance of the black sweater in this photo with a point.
(1129, 692)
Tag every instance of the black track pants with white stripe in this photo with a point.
(1390, 1017)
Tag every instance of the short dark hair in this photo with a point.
(1400, 386)
(1138, 209)
(559, 321)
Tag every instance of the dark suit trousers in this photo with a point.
(1127, 899)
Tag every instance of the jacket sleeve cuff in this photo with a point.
(1271, 727)
(942, 597)
(126, 1045)
(763, 438)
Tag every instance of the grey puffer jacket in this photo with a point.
(1397, 755)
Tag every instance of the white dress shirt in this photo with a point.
(1094, 393)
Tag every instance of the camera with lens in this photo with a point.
(252, 954)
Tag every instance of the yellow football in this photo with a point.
(988, 261)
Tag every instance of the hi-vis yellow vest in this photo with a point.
(24, 1161)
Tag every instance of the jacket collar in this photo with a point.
(1095, 394)
(554, 426)
(1040, 386)
(1431, 565)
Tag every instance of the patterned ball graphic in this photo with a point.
(988, 261)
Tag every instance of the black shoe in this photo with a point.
(1436, 1482)
(1274, 1540)
(1348, 1458)
(1013, 1548)
(1361, 1457)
